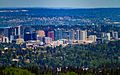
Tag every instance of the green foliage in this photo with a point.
(71, 73)
(77, 56)
(16, 71)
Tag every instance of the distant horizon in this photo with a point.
(60, 3)
(57, 8)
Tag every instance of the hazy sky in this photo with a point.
(60, 3)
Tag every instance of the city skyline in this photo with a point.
(60, 4)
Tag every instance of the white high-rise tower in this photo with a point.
(83, 35)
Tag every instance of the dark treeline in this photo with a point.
(47, 71)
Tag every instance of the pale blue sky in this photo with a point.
(60, 3)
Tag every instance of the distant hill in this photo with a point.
(98, 14)
(63, 12)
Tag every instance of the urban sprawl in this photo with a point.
(33, 38)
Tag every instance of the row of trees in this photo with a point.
(69, 71)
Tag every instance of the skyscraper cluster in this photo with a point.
(54, 37)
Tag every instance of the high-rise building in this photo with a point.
(115, 35)
(51, 34)
(71, 34)
(106, 36)
(65, 34)
(58, 34)
(19, 31)
(41, 33)
(5, 40)
(11, 32)
(34, 35)
(8, 31)
(77, 35)
(29, 34)
(83, 35)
